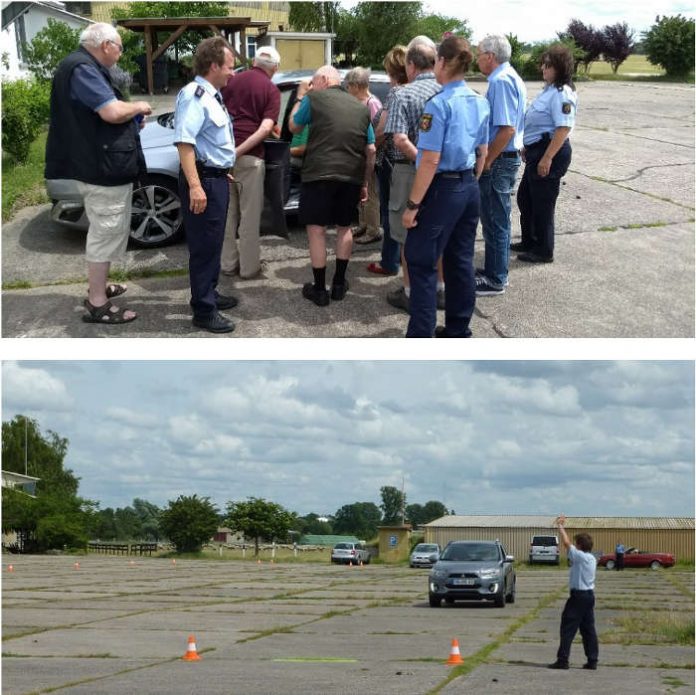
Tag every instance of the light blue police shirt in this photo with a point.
(507, 96)
(583, 569)
(200, 120)
(553, 108)
(454, 123)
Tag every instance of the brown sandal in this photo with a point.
(115, 290)
(103, 314)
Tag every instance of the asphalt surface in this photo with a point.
(116, 625)
(624, 262)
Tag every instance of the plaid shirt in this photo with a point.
(407, 105)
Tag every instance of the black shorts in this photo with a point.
(329, 203)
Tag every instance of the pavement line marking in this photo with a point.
(318, 660)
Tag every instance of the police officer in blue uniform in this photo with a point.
(548, 123)
(443, 208)
(203, 135)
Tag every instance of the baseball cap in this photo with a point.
(268, 53)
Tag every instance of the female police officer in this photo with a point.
(443, 208)
(547, 125)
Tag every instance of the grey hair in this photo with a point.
(330, 73)
(421, 52)
(359, 77)
(498, 45)
(95, 34)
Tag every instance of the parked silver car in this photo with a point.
(473, 571)
(544, 549)
(424, 555)
(350, 554)
(156, 217)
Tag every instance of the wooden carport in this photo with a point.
(151, 26)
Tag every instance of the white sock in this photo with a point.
(407, 290)
(440, 286)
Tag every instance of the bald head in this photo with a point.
(326, 76)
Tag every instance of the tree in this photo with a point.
(436, 26)
(311, 523)
(414, 514)
(50, 45)
(189, 522)
(360, 519)
(259, 519)
(149, 515)
(617, 44)
(393, 502)
(381, 25)
(588, 39)
(531, 68)
(314, 16)
(517, 52)
(670, 43)
(433, 510)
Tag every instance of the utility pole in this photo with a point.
(403, 503)
(25, 445)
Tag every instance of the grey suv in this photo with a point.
(473, 571)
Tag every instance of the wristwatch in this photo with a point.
(410, 205)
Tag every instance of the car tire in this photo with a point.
(435, 601)
(499, 600)
(156, 216)
(655, 565)
(510, 598)
(610, 565)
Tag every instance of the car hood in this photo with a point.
(463, 567)
(155, 135)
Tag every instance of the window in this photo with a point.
(21, 35)
(84, 9)
(251, 47)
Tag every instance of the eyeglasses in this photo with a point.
(546, 65)
(118, 45)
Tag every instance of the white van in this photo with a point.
(544, 549)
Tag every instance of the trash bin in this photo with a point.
(276, 188)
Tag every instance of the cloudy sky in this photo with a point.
(585, 438)
(533, 20)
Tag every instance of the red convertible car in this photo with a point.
(638, 558)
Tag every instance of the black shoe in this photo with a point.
(398, 299)
(519, 246)
(531, 257)
(561, 665)
(226, 302)
(319, 297)
(338, 292)
(215, 323)
(590, 666)
(441, 332)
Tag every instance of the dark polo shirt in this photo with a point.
(250, 96)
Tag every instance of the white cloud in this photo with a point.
(30, 389)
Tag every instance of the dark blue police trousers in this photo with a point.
(579, 614)
(536, 197)
(446, 227)
(204, 235)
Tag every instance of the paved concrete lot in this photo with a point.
(115, 626)
(624, 253)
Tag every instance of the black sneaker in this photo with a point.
(531, 257)
(560, 665)
(226, 302)
(485, 289)
(441, 332)
(215, 323)
(398, 299)
(481, 273)
(590, 666)
(338, 292)
(319, 297)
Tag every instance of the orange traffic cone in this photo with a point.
(191, 653)
(455, 658)
(77, 565)
(10, 568)
(174, 561)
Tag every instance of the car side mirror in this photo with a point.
(509, 558)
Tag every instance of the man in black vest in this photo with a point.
(337, 164)
(93, 138)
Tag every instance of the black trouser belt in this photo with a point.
(404, 161)
(581, 591)
(509, 155)
(455, 174)
(210, 172)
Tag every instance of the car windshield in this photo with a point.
(471, 553)
(426, 548)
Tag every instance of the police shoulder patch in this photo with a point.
(199, 91)
(426, 122)
(567, 107)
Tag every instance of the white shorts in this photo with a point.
(108, 209)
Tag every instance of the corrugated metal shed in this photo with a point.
(660, 534)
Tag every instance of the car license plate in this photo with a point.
(463, 582)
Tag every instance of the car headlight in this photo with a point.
(490, 574)
(438, 573)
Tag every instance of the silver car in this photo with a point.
(424, 555)
(472, 571)
(156, 217)
(350, 554)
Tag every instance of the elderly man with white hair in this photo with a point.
(93, 138)
(253, 101)
(335, 172)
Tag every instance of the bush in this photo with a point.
(531, 68)
(670, 43)
(25, 111)
(49, 47)
(189, 522)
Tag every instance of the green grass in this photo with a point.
(668, 628)
(633, 65)
(23, 184)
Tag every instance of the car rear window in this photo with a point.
(343, 546)
(426, 548)
(544, 540)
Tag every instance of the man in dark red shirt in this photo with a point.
(254, 104)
